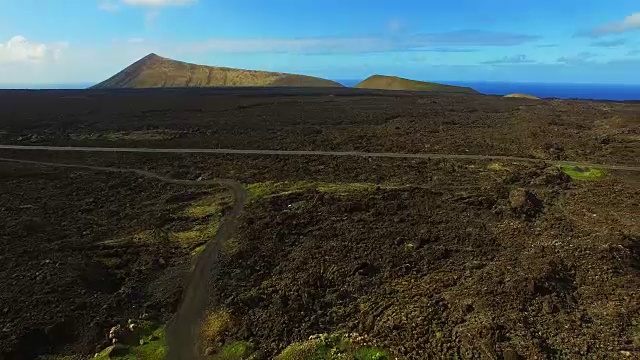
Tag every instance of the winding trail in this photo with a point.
(320, 153)
(182, 331)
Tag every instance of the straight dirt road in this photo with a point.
(320, 153)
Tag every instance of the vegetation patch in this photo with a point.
(583, 173)
(197, 251)
(331, 347)
(497, 166)
(266, 189)
(209, 206)
(147, 343)
(197, 235)
(214, 326)
(232, 247)
(237, 350)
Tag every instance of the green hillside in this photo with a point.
(397, 83)
(154, 71)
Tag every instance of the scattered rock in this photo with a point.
(549, 307)
(524, 202)
(116, 334)
(555, 149)
(510, 354)
(209, 351)
(552, 176)
(364, 269)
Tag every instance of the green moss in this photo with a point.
(371, 354)
(497, 166)
(300, 351)
(197, 235)
(237, 350)
(583, 173)
(331, 347)
(207, 206)
(265, 189)
(232, 247)
(151, 345)
(215, 325)
(197, 251)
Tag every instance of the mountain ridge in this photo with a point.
(385, 82)
(155, 71)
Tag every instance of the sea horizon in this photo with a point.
(586, 91)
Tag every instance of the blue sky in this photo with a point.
(569, 41)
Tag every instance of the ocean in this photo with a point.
(545, 90)
(71, 86)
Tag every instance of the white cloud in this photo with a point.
(630, 23)
(20, 50)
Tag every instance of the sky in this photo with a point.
(551, 41)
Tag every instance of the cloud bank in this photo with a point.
(630, 23)
(364, 44)
(20, 50)
(517, 59)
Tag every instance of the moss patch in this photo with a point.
(583, 173)
(152, 345)
(265, 189)
(197, 251)
(497, 166)
(331, 347)
(197, 235)
(237, 350)
(208, 206)
(232, 247)
(214, 326)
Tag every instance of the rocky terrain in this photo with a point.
(359, 257)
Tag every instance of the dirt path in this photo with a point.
(321, 153)
(182, 331)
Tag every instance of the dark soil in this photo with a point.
(70, 269)
(324, 119)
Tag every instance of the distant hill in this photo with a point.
(523, 96)
(153, 71)
(398, 83)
